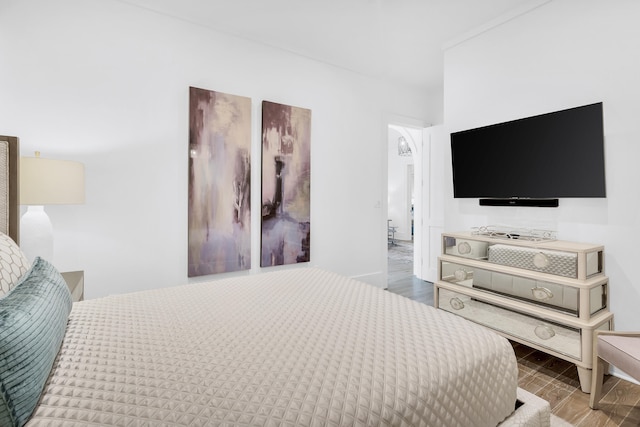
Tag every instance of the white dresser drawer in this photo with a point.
(559, 338)
(561, 297)
(557, 296)
(465, 248)
(583, 262)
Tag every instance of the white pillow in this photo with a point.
(13, 264)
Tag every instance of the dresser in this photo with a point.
(547, 294)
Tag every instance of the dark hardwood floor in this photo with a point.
(400, 279)
(548, 377)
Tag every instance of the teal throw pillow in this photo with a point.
(33, 321)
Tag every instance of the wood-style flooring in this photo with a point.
(548, 377)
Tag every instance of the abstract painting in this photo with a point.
(219, 182)
(286, 178)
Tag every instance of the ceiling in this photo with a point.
(400, 40)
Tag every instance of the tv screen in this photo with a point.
(553, 155)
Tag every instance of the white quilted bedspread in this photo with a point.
(299, 347)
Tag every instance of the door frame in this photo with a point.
(420, 125)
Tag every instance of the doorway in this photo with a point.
(428, 194)
(403, 150)
(404, 202)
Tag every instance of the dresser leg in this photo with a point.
(584, 374)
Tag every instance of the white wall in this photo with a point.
(106, 84)
(564, 54)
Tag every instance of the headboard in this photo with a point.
(9, 204)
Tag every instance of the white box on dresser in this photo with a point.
(548, 294)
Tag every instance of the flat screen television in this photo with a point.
(520, 162)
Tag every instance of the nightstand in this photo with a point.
(75, 282)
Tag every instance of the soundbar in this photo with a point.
(540, 203)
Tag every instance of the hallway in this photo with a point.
(400, 278)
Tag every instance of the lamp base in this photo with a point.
(36, 234)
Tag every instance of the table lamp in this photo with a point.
(46, 182)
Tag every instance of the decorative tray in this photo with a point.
(505, 232)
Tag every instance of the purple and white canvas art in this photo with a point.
(219, 182)
(286, 177)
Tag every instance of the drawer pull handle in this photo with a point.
(544, 332)
(460, 275)
(541, 293)
(540, 260)
(456, 303)
(464, 248)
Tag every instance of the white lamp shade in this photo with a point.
(51, 182)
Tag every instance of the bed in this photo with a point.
(292, 347)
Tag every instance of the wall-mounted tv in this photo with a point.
(549, 156)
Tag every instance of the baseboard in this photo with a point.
(377, 279)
